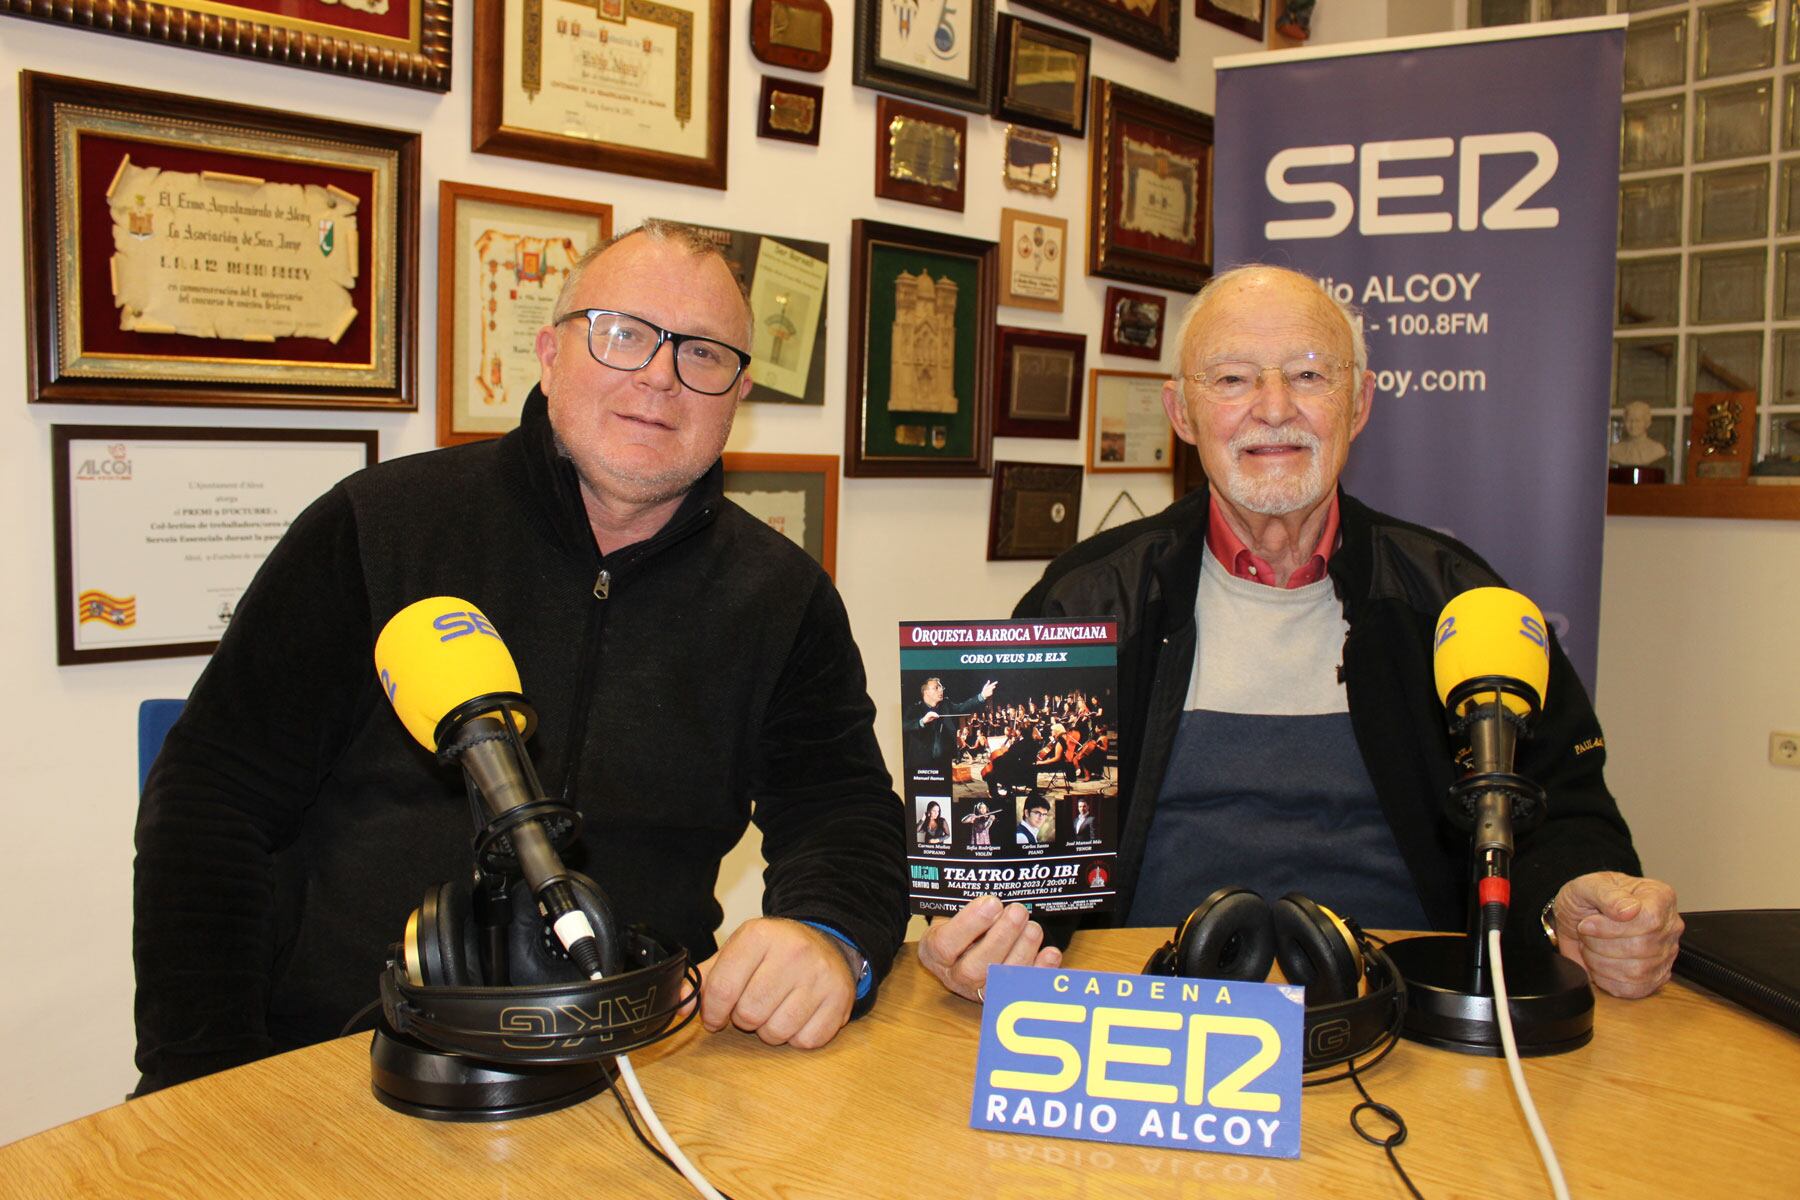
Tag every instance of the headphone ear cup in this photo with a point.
(449, 954)
(1316, 950)
(1230, 936)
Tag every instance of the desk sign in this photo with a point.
(1184, 1064)
(1010, 762)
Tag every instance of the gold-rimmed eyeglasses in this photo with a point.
(1309, 376)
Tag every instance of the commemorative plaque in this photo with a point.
(1721, 437)
(791, 33)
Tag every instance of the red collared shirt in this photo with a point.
(1238, 559)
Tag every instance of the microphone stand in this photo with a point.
(1449, 988)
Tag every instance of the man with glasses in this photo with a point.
(692, 670)
(1279, 725)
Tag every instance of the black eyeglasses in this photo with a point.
(627, 343)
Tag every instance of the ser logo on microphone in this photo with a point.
(462, 624)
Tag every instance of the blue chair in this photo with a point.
(154, 719)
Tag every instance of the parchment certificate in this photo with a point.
(787, 297)
(510, 265)
(624, 72)
(1133, 428)
(784, 512)
(1162, 191)
(229, 256)
(166, 533)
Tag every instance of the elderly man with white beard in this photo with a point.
(1279, 726)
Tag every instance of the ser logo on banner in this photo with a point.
(1506, 211)
(1186, 1064)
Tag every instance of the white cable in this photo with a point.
(1504, 1015)
(642, 1103)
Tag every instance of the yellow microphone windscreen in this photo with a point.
(433, 655)
(1491, 631)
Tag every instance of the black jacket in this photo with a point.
(1393, 578)
(291, 823)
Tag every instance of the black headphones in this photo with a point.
(485, 977)
(1354, 997)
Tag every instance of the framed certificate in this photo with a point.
(1149, 190)
(636, 87)
(1152, 25)
(1037, 383)
(159, 530)
(1036, 249)
(786, 279)
(1041, 75)
(503, 258)
(1127, 427)
(1035, 511)
(921, 154)
(795, 494)
(405, 43)
(922, 308)
(940, 50)
(187, 252)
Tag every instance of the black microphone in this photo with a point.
(456, 689)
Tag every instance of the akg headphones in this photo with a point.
(1354, 997)
(514, 997)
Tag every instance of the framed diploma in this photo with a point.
(1035, 512)
(795, 494)
(790, 111)
(159, 530)
(1041, 75)
(791, 33)
(503, 258)
(1127, 427)
(921, 154)
(1239, 16)
(1134, 323)
(405, 43)
(1037, 258)
(1037, 383)
(182, 251)
(938, 50)
(786, 279)
(636, 87)
(1149, 190)
(1152, 25)
(922, 308)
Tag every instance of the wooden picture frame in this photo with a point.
(796, 494)
(1038, 377)
(1132, 323)
(1153, 26)
(921, 154)
(406, 44)
(1127, 427)
(1035, 251)
(1236, 16)
(899, 52)
(304, 293)
(1031, 162)
(680, 137)
(788, 282)
(791, 33)
(1035, 511)
(1149, 190)
(1030, 62)
(910, 418)
(790, 111)
(170, 524)
(503, 257)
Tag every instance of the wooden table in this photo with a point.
(1678, 1095)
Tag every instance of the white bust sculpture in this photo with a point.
(1637, 448)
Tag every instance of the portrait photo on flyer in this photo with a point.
(1009, 750)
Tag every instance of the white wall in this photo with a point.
(1696, 609)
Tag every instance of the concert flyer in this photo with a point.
(1010, 762)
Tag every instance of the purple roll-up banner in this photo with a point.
(1462, 191)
